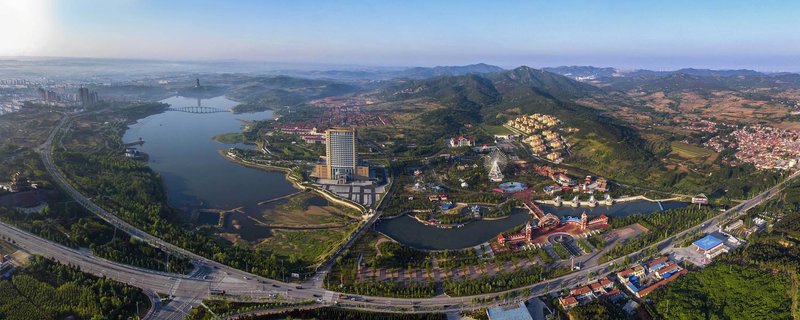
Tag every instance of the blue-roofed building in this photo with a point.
(711, 246)
(509, 312)
(707, 243)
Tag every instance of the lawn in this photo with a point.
(492, 130)
(690, 151)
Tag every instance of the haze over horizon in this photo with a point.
(628, 35)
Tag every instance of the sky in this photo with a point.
(660, 35)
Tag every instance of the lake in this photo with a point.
(181, 148)
(410, 232)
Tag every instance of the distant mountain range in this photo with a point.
(594, 73)
(422, 72)
(394, 73)
(677, 80)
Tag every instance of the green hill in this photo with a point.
(497, 97)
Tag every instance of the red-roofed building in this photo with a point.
(669, 268)
(637, 271)
(460, 141)
(582, 292)
(309, 138)
(597, 288)
(601, 286)
(657, 263)
(568, 302)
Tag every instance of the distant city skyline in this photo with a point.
(624, 34)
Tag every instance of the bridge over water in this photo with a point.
(198, 109)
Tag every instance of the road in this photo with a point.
(325, 268)
(188, 291)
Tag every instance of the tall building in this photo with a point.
(87, 98)
(83, 95)
(341, 162)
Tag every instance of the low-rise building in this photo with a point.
(641, 280)
(568, 302)
(657, 264)
(584, 292)
(509, 312)
(734, 225)
(710, 246)
(667, 270)
(460, 141)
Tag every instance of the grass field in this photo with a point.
(308, 245)
(689, 151)
(495, 129)
(300, 210)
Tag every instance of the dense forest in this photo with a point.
(47, 290)
(66, 222)
(599, 309)
(725, 291)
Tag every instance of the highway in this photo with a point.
(188, 291)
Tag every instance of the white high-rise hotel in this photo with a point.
(341, 160)
(341, 152)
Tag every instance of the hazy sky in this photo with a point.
(763, 35)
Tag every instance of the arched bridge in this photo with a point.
(198, 110)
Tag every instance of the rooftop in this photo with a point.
(708, 242)
(656, 263)
(509, 312)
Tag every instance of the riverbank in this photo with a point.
(604, 202)
(230, 138)
(293, 180)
